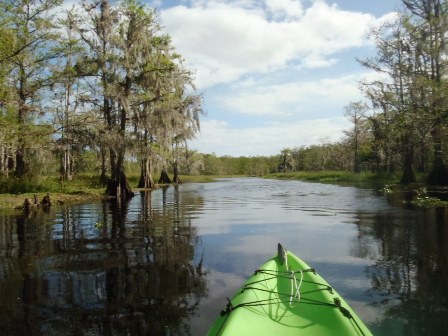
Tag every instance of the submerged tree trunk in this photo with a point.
(164, 178)
(146, 181)
(118, 185)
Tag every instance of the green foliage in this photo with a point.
(20, 186)
(82, 183)
(339, 177)
(27, 32)
(50, 184)
(429, 202)
(420, 195)
(248, 166)
(316, 176)
(409, 101)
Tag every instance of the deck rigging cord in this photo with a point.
(295, 295)
(294, 285)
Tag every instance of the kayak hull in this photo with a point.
(287, 297)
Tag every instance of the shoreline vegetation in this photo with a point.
(337, 177)
(80, 190)
(85, 188)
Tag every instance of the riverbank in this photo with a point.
(16, 202)
(84, 188)
(87, 189)
(338, 177)
(420, 194)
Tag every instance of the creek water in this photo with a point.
(165, 262)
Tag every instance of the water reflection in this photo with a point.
(100, 269)
(409, 276)
(139, 268)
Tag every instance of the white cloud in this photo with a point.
(219, 137)
(292, 98)
(318, 61)
(222, 43)
(285, 9)
(224, 40)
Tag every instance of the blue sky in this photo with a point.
(274, 74)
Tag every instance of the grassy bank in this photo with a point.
(84, 188)
(424, 196)
(11, 201)
(339, 177)
(204, 178)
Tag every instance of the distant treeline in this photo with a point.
(311, 158)
(101, 90)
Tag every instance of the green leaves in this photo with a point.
(105, 77)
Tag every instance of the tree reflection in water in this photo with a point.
(410, 274)
(111, 269)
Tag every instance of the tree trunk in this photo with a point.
(408, 165)
(356, 160)
(118, 185)
(164, 178)
(176, 178)
(20, 170)
(146, 181)
(357, 165)
(439, 173)
(21, 167)
(103, 175)
(3, 161)
(66, 166)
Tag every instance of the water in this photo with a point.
(164, 263)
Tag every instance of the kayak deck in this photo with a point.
(287, 297)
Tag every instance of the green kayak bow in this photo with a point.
(287, 297)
